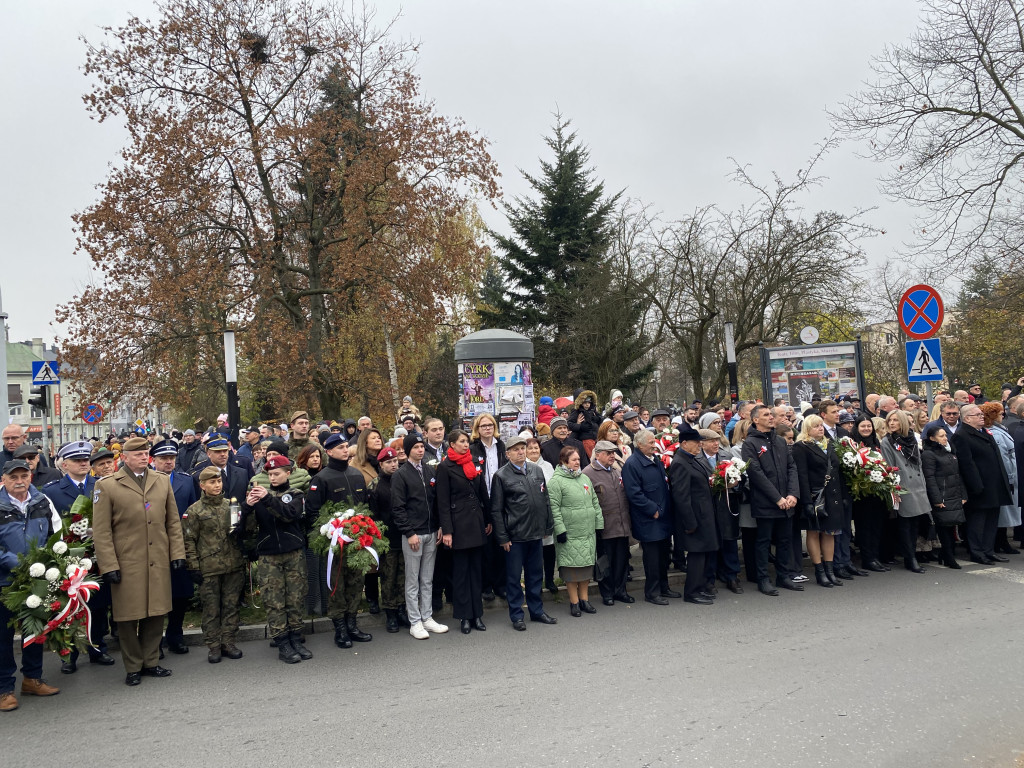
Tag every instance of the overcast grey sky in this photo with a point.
(663, 93)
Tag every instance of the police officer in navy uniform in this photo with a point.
(63, 493)
(165, 457)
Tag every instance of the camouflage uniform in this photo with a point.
(283, 582)
(281, 534)
(211, 549)
(295, 448)
(347, 588)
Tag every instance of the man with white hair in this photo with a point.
(13, 437)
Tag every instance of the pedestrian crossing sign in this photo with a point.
(44, 373)
(924, 360)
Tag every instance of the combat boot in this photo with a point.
(230, 650)
(300, 649)
(354, 631)
(285, 650)
(391, 620)
(341, 638)
(214, 655)
(403, 618)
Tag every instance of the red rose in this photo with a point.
(65, 651)
(55, 605)
(51, 625)
(65, 585)
(75, 518)
(366, 540)
(356, 528)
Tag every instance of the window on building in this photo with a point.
(15, 410)
(36, 414)
(890, 339)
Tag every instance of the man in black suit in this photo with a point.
(236, 477)
(984, 476)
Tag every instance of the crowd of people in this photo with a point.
(473, 518)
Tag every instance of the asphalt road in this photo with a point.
(893, 670)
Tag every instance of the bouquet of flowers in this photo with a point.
(49, 596)
(348, 533)
(867, 472)
(666, 443)
(728, 475)
(78, 526)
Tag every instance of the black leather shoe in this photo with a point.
(161, 654)
(707, 595)
(765, 588)
(981, 560)
(479, 626)
(699, 600)
(856, 571)
(133, 678)
(156, 671)
(875, 566)
(550, 587)
(488, 596)
(659, 600)
(102, 658)
(671, 593)
(519, 626)
(608, 600)
(790, 585)
(625, 598)
(1006, 549)
(999, 558)
(734, 586)
(177, 647)
(466, 628)
(574, 610)
(842, 572)
(68, 668)
(543, 618)
(586, 607)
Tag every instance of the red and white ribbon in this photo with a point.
(79, 589)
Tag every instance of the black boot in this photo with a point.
(285, 650)
(403, 618)
(830, 574)
(391, 620)
(341, 638)
(354, 631)
(948, 559)
(820, 577)
(304, 653)
(374, 606)
(911, 565)
(765, 587)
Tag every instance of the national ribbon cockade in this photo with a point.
(78, 589)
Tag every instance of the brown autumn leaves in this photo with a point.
(286, 178)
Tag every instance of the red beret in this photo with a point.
(277, 462)
(387, 453)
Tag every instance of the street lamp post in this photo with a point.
(730, 361)
(231, 379)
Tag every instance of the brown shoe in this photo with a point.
(32, 687)
(7, 702)
(231, 651)
(214, 656)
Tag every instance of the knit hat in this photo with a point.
(557, 422)
(705, 421)
(278, 446)
(410, 440)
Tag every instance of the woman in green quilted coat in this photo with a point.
(578, 517)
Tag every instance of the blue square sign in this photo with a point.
(44, 372)
(924, 360)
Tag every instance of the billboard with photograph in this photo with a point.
(799, 373)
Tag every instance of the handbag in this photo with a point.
(819, 501)
(602, 568)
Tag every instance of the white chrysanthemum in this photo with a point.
(325, 530)
(875, 476)
(60, 547)
(32, 602)
(86, 563)
(70, 570)
(52, 574)
(36, 570)
(849, 459)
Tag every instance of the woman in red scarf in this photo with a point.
(465, 525)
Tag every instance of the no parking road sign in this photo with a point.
(92, 413)
(920, 312)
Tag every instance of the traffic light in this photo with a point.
(42, 401)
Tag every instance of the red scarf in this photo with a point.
(466, 461)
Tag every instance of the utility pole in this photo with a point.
(231, 380)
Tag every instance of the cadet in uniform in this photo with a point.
(276, 516)
(342, 484)
(215, 564)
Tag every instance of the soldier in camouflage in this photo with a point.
(299, 439)
(276, 517)
(215, 563)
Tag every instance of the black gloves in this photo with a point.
(177, 565)
(197, 577)
(114, 577)
(562, 537)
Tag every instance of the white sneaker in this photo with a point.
(418, 631)
(432, 626)
(800, 577)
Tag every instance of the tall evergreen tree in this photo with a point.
(554, 267)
